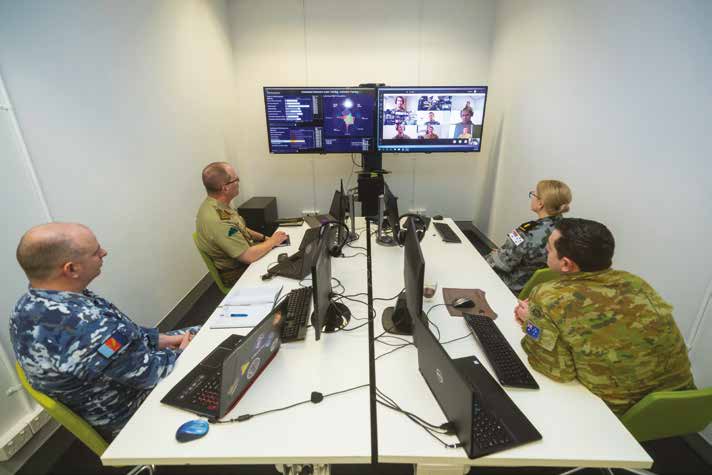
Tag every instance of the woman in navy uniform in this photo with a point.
(524, 250)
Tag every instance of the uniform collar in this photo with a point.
(218, 204)
(61, 295)
(585, 275)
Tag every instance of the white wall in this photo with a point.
(22, 207)
(613, 98)
(121, 104)
(339, 43)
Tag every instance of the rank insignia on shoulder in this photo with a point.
(516, 238)
(112, 344)
(533, 331)
(232, 231)
(526, 226)
(224, 214)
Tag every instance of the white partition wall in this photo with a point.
(613, 98)
(327, 43)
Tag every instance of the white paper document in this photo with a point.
(240, 316)
(253, 295)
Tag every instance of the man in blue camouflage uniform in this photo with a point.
(607, 328)
(77, 347)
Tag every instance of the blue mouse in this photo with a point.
(191, 430)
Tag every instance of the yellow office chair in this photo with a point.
(211, 267)
(539, 277)
(72, 422)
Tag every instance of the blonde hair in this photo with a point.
(555, 195)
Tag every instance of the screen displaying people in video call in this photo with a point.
(417, 117)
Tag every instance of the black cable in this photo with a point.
(343, 256)
(391, 351)
(319, 396)
(432, 429)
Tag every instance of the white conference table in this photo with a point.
(577, 427)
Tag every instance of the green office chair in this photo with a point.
(667, 414)
(539, 277)
(72, 422)
(211, 267)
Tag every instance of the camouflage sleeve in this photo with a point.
(151, 337)
(506, 257)
(125, 357)
(547, 352)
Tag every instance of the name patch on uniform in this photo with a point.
(232, 231)
(112, 344)
(516, 238)
(533, 331)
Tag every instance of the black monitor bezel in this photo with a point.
(418, 89)
(372, 147)
(319, 281)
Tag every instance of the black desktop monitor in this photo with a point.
(391, 204)
(430, 119)
(413, 271)
(399, 319)
(320, 120)
(328, 316)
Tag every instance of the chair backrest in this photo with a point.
(539, 277)
(669, 414)
(211, 267)
(65, 416)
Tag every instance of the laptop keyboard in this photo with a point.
(446, 233)
(507, 366)
(298, 308)
(487, 430)
(208, 395)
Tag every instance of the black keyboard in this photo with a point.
(298, 308)
(507, 366)
(204, 391)
(488, 430)
(446, 234)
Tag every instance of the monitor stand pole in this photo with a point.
(381, 238)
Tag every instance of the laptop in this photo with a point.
(298, 265)
(334, 212)
(483, 416)
(215, 386)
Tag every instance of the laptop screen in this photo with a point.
(242, 367)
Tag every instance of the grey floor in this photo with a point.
(62, 454)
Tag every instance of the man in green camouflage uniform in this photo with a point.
(523, 252)
(222, 233)
(609, 329)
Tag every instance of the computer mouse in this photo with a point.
(463, 302)
(438, 217)
(192, 430)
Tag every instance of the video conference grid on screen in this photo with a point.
(320, 120)
(430, 119)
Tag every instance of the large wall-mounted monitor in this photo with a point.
(431, 119)
(320, 120)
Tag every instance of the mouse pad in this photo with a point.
(476, 295)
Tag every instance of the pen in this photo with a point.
(238, 314)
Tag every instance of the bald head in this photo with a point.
(44, 249)
(215, 176)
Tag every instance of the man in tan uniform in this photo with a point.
(607, 328)
(222, 233)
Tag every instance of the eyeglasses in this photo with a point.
(531, 193)
(232, 181)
